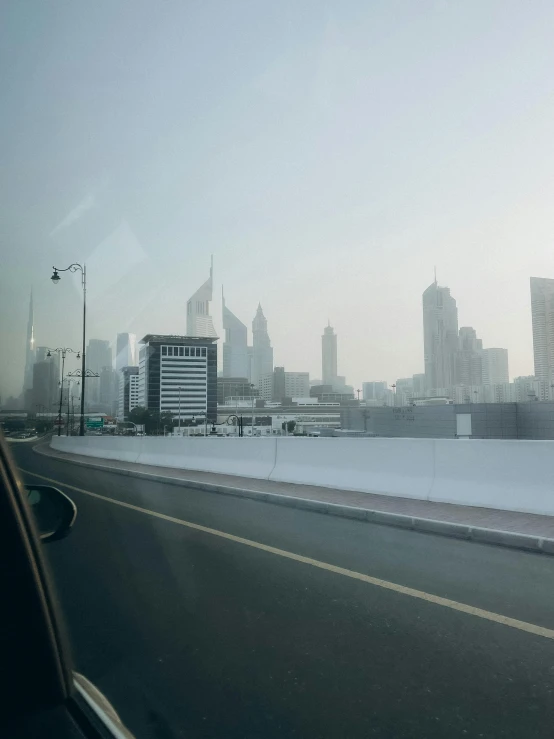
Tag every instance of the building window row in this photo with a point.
(184, 351)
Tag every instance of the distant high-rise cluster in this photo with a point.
(176, 374)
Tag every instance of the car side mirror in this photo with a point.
(53, 511)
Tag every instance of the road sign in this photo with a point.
(95, 423)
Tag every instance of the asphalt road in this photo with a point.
(190, 634)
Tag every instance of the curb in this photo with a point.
(495, 537)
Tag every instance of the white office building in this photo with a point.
(297, 384)
(178, 374)
(128, 391)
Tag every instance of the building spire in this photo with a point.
(435, 268)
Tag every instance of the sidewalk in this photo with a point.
(508, 528)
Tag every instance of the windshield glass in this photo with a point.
(277, 314)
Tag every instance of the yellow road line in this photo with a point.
(513, 623)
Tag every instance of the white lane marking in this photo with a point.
(513, 623)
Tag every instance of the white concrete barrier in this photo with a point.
(246, 457)
(402, 467)
(511, 475)
(103, 447)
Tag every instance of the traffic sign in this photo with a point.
(95, 423)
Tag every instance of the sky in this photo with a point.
(328, 154)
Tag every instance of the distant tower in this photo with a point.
(235, 346)
(199, 320)
(440, 337)
(126, 351)
(329, 356)
(542, 314)
(262, 351)
(29, 348)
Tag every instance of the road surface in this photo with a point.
(230, 632)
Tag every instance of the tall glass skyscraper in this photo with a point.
(542, 315)
(199, 320)
(235, 346)
(440, 337)
(329, 356)
(262, 351)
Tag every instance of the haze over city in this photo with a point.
(328, 160)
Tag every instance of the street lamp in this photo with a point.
(252, 393)
(82, 375)
(69, 400)
(55, 279)
(62, 351)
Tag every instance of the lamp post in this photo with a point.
(82, 374)
(252, 394)
(62, 351)
(75, 267)
(69, 400)
(229, 418)
(180, 410)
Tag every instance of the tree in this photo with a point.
(289, 426)
(142, 416)
(167, 419)
(139, 415)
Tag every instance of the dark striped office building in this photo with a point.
(179, 373)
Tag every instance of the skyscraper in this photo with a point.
(262, 351)
(495, 366)
(199, 320)
(128, 391)
(469, 358)
(440, 337)
(99, 356)
(29, 348)
(235, 346)
(542, 315)
(126, 351)
(329, 356)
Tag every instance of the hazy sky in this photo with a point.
(329, 154)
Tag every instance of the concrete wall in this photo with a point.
(533, 420)
(511, 475)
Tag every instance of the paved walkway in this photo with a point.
(489, 518)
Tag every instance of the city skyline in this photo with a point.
(471, 337)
